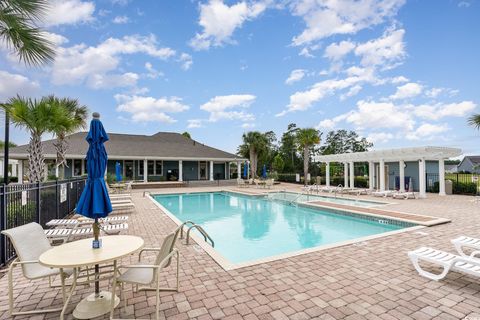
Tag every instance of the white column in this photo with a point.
(441, 177)
(180, 170)
(239, 171)
(352, 175)
(211, 170)
(56, 171)
(345, 175)
(371, 175)
(327, 174)
(145, 170)
(20, 171)
(421, 178)
(14, 169)
(83, 167)
(1, 167)
(382, 175)
(401, 164)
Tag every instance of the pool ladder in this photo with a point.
(193, 225)
(338, 188)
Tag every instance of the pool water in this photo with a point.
(296, 197)
(247, 228)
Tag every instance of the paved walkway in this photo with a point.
(373, 280)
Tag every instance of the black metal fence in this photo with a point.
(35, 202)
(462, 183)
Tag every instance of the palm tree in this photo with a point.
(306, 139)
(37, 117)
(73, 118)
(254, 142)
(18, 30)
(474, 121)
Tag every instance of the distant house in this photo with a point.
(470, 164)
(451, 168)
(164, 156)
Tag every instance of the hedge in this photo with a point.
(360, 182)
(459, 187)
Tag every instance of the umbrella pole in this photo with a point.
(96, 231)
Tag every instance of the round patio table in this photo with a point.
(79, 254)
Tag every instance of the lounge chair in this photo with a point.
(241, 183)
(448, 261)
(30, 242)
(72, 223)
(148, 275)
(357, 191)
(404, 195)
(269, 183)
(66, 234)
(127, 206)
(386, 193)
(120, 196)
(466, 242)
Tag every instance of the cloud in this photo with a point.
(295, 75)
(440, 110)
(152, 72)
(84, 64)
(337, 51)
(219, 21)
(375, 115)
(13, 84)
(149, 109)
(195, 123)
(427, 130)
(229, 107)
(326, 18)
(186, 61)
(69, 12)
(55, 38)
(104, 81)
(121, 20)
(386, 51)
(408, 90)
(379, 137)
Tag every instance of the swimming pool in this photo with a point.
(297, 197)
(247, 228)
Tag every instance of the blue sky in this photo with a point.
(401, 73)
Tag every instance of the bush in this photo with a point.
(464, 187)
(361, 182)
(111, 178)
(287, 177)
(10, 179)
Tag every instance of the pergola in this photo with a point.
(400, 155)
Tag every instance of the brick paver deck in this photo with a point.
(374, 280)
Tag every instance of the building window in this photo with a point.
(158, 167)
(151, 167)
(140, 167)
(77, 167)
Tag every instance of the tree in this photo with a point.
(19, 32)
(254, 143)
(307, 138)
(37, 117)
(73, 118)
(278, 163)
(343, 141)
(10, 144)
(474, 121)
(187, 135)
(288, 148)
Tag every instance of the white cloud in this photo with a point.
(69, 12)
(148, 109)
(81, 63)
(433, 92)
(152, 72)
(408, 90)
(386, 51)
(375, 115)
(186, 61)
(219, 21)
(398, 79)
(325, 18)
(104, 81)
(55, 38)
(229, 107)
(121, 20)
(353, 91)
(195, 123)
(440, 110)
(337, 51)
(248, 125)
(13, 84)
(427, 130)
(379, 137)
(295, 75)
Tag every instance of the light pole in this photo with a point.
(5, 158)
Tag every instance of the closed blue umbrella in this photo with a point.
(118, 171)
(245, 170)
(94, 201)
(264, 172)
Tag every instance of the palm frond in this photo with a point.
(33, 9)
(474, 121)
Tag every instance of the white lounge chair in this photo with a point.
(404, 195)
(269, 183)
(66, 234)
(466, 242)
(30, 242)
(448, 261)
(72, 223)
(148, 275)
(123, 206)
(241, 183)
(120, 196)
(386, 193)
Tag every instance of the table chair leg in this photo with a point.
(72, 289)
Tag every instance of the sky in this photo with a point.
(399, 72)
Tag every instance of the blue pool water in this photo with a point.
(248, 228)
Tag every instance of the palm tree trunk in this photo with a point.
(252, 161)
(35, 159)
(306, 160)
(61, 146)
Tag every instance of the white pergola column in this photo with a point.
(327, 174)
(421, 179)
(145, 170)
(345, 175)
(371, 175)
(401, 164)
(441, 177)
(20, 171)
(352, 175)
(83, 168)
(211, 171)
(180, 170)
(239, 173)
(382, 175)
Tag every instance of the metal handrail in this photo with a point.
(184, 224)
(202, 231)
(336, 189)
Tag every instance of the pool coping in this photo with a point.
(229, 266)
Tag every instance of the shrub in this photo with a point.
(464, 187)
(10, 179)
(287, 177)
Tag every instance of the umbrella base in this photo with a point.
(92, 306)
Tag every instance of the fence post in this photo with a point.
(3, 224)
(37, 198)
(57, 200)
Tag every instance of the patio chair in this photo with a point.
(66, 234)
(29, 242)
(148, 275)
(404, 195)
(463, 242)
(72, 223)
(386, 193)
(241, 183)
(447, 261)
(269, 183)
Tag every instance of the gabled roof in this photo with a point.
(162, 145)
(473, 159)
